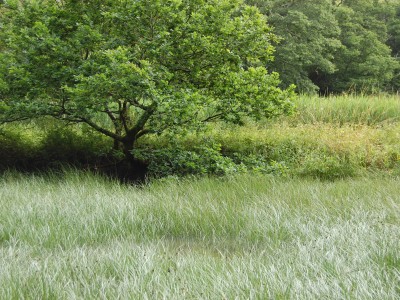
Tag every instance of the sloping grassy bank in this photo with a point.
(246, 237)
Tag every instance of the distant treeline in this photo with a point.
(335, 46)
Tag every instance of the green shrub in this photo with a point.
(177, 160)
(259, 164)
(206, 159)
(24, 147)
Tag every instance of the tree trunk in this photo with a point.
(131, 169)
(116, 145)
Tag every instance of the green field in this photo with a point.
(249, 237)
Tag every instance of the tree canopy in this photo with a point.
(309, 34)
(336, 46)
(146, 66)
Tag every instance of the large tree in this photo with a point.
(147, 66)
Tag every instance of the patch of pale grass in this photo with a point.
(247, 237)
(353, 109)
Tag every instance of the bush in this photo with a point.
(24, 147)
(177, 160)
(206, 159)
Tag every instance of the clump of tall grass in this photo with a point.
(352, 109)
(79, 236)
(31, 146)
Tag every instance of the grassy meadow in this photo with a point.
(77, 236)
(308, 207)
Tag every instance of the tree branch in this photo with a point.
(96, 127)
(213, 117)
(134, 131)
(136, 103)
(144, 132)
(112, 117)
(123, 115)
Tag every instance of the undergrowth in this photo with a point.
(327, 138)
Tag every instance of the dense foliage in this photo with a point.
(336, 46)
(146, 66)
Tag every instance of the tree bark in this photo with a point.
(132, 168)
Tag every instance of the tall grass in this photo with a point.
(84, 237)
(321, 150)
(329, 138)
(350, 109)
